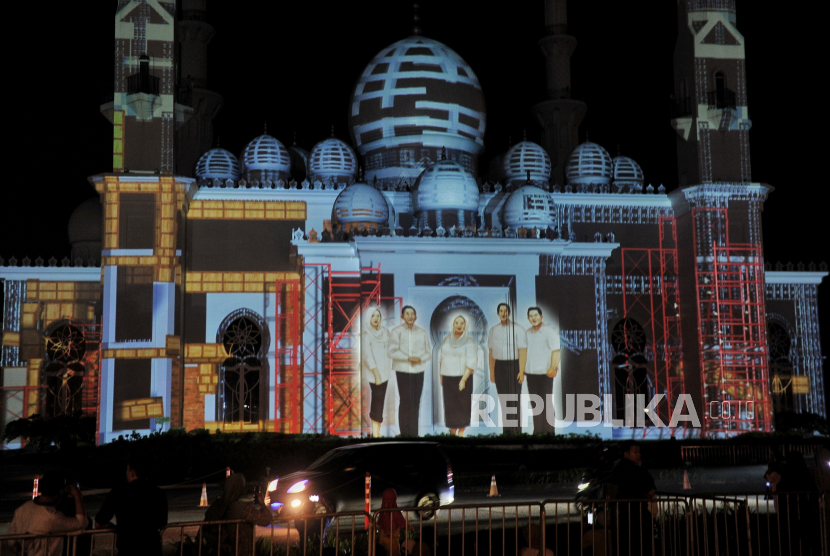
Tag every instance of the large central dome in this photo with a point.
(414, 98)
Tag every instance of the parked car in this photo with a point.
(420, 472)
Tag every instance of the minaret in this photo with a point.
(718, 211)
(710, 112)
(143, 111)
(195, 137)
(143, 205)
(560, 115)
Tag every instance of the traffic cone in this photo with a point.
(686, 484)
(203, 502)
(227, 472)
(494, 490)
(35, 492)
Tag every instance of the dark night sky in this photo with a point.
(293, 64)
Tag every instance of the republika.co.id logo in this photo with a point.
(584, 409)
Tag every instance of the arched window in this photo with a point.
(780, 366)
(63, 369)
(720, 83)
(629, 364)
(242, 379)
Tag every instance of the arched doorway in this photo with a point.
(243, 375)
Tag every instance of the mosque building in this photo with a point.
(168, 315)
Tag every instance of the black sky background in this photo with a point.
(293, 65)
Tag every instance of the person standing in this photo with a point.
(374, 351)
(409, 349)
(236, 538)
(543, 355)
(140, 509)
(459, 358)
(633, 487)
(42, 517)
(508, 355)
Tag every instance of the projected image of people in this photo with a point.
(458, 360)
(410, 350)
(376, 364)
(542, 367)
(507, 343)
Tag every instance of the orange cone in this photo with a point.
(686, 484)
(203, 502)
(35, 492)
(494, 490)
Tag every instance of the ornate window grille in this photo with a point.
(631, 376)
(243, 375)
(63, 369)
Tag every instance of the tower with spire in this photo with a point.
(718, 211)
(710, 112)
(559, 115)
(196, 135)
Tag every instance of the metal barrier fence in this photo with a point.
(739, 455)
(733, 525)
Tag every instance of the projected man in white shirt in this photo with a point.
(508, 354)
(542, 365)
(409, 349)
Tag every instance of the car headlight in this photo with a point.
(583, 486)
(298, 487)
(295, 503)
(273, 485)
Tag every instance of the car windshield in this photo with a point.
(336, 459)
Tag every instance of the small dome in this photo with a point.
(627, 171)
(445, 185)
(589, 163)
(265, 153)
(85, 224)
(86, 230)
(332, 158)
(527, 156)
(360, 204)
(529, 207)
(218, 163)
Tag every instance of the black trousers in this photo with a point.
(376, 404)
(506, 372)
(410, 386)
(542, 386)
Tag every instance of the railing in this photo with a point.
(723, 98)
(462, 529)
(143, 83)
(739, 455)
(734, 525)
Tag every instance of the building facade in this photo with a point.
(242, 293)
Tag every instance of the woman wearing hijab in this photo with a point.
(459, 357)
(390, 524)
(229, 506)
(374, 349)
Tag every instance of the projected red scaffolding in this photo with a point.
(732, 330)
(351, 294)
(331, 380)
(660, 301)
(288, 387)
